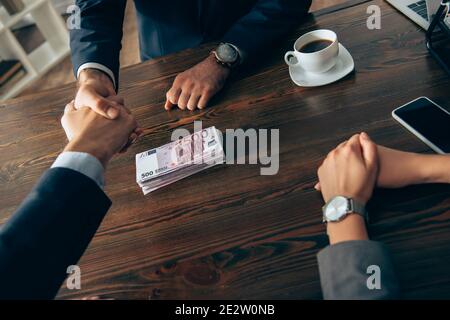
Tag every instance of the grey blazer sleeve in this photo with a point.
(348, 267)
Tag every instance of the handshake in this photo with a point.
(98, 114)
(101, 137)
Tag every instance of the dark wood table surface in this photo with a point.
(228, 232)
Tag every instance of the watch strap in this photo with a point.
(358, 208)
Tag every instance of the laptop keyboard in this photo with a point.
(420, 7)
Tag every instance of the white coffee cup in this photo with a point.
(317, 61)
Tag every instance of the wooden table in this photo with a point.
(230, 233)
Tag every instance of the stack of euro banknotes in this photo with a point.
(159, 167)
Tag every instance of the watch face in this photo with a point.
(227, 53)
(336, 209)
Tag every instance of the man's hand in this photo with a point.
(96, 91)
(194, 87)
(92, 133)
(350, 170)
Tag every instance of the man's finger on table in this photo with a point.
(183, 100)
(193, 101)
(207, 94)
(168, 105)
(172, 96)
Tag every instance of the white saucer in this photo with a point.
(343, 67)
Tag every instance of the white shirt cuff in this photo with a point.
(98, 66)
(83, 163)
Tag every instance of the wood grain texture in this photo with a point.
(321, 4)
(230, 233)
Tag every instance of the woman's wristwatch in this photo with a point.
(338, 208)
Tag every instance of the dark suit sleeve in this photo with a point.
(265, 24)
(49, 232)
(100, 34)
(344, 272)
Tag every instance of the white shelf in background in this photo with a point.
(50, 56)
(54, 49)
(7, 21)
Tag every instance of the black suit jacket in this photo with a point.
(167, 26)
(49, 232)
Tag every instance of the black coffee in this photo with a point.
(316, 45)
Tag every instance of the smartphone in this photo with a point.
(427, 121)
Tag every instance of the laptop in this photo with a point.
(419, 11)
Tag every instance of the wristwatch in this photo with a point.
(338, 208)
(227, 55)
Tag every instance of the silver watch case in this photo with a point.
(226, 54)
(338, 208)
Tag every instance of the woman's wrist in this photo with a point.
(434, 168)
(353, 227)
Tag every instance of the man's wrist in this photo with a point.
(353, 227)
(95, 150)
(213, 60)
(91, 74)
